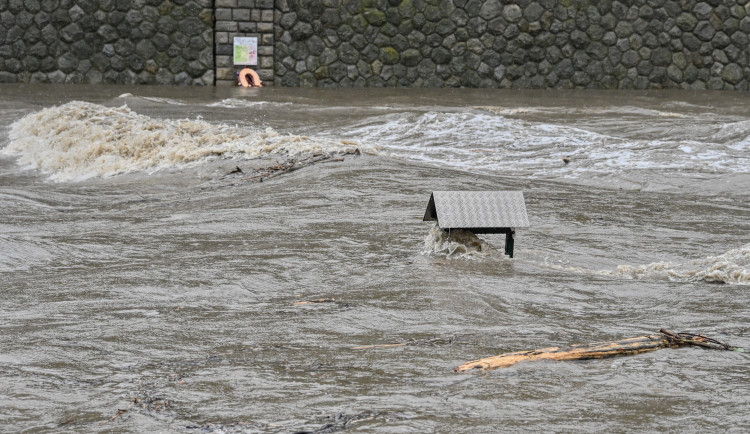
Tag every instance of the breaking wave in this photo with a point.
(489, 139)
(80, 140)
(474, 140)
(732, 267)
(456, 243)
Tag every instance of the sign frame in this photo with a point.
(245, 50)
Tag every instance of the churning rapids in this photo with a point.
(151, 282)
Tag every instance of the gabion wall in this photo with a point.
(638, 44)
(107, 41)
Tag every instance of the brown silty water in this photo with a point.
(150, 286)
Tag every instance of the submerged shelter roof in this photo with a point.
(478, 211)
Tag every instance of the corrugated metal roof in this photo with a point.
(477, 209)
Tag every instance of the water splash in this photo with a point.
(731, 267)
(80, 140)
(456, 243)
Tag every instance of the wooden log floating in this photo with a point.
(599, 350)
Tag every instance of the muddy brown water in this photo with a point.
(164, 295)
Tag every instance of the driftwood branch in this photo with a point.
(291, 165)
(600, 350)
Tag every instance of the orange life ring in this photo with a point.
(249, 78)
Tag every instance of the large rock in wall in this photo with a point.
(638, 44)
(107, 41)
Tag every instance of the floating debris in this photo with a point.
(599, 350)
(293, 164)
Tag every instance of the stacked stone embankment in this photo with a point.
(616, 44)
(638, 44)
(107, 41)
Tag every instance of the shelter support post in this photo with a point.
(509, 241)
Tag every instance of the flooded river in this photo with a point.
(151, 282)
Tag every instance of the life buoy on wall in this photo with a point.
(249, 78)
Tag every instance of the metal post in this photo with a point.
(509, 242)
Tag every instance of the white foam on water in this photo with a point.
(586, 111)
(80, 140)
(470, 139)
(456, 244)
(168, 101)
(243, 103)
(731, 267)
(490, 140)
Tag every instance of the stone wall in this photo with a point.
(107, 41)
(618, 44)
(514, 44)
(252, 18)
